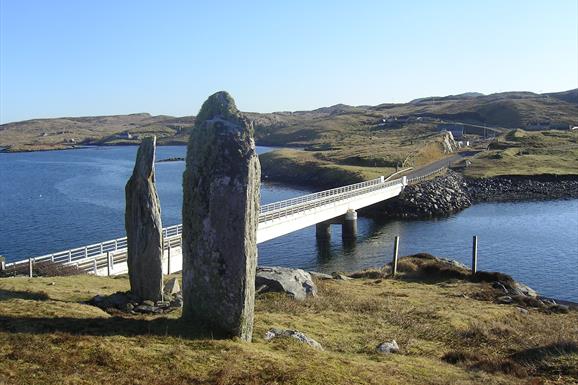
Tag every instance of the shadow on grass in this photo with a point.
(29, 295)
(113, 326)
(557, 349)
(520, 364)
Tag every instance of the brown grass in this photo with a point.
(48, 337)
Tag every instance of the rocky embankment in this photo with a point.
(452, 192)
(437, 197)
(516, 188)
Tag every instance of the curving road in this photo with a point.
(440, 163)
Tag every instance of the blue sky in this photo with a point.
(80, 58)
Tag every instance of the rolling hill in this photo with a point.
(320, 127)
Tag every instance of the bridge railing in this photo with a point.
(296, 205)
(316, 196)
(89, 252)
(418, 179)
(86, 257)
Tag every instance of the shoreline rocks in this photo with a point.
(522, 188)
(441, 196)
(452, 192)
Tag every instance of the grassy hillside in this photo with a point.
(321, 127)
(43, 134)
(363, 154)
(528, 153)
(48, 336)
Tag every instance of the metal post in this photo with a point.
(69, 255)
(395, 255)
(2, 263)
(94, 265)
(475, 255)
(169, 259)
(115, 245)
(30, 267)
(108, 263)
(101, 249)
(51, 257)
(85, 252)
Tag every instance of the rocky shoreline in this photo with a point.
(452, 192)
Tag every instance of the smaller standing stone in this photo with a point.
(143, 226)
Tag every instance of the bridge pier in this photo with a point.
(349, 226)
(323, 230)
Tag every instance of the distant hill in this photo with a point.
(567, 96)
(302, 128)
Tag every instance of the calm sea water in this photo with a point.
(51, 201)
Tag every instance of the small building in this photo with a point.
(124, 135)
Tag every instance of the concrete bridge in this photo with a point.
(322, 209)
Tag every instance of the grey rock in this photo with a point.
(521, 289)
(143, 226)
(559, 308)
(294, 282)
(172, 286)
(220, 216)
(500, 286)
(340, 277)
(506, 299)
(276, 333)
(522, 310)
(388, 347)
(177, 302)
(453, 262)
(146, 309)
(318, 275)
(148, 303)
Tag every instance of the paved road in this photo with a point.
(440, 163)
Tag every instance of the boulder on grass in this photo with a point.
(295, 282)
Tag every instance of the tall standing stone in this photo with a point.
(144, 227)
(220, 217)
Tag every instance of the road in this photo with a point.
(440, 163)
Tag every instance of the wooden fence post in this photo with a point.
(475, 255)
(395, 255)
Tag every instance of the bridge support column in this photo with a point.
(323, 230)
(349, 226)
